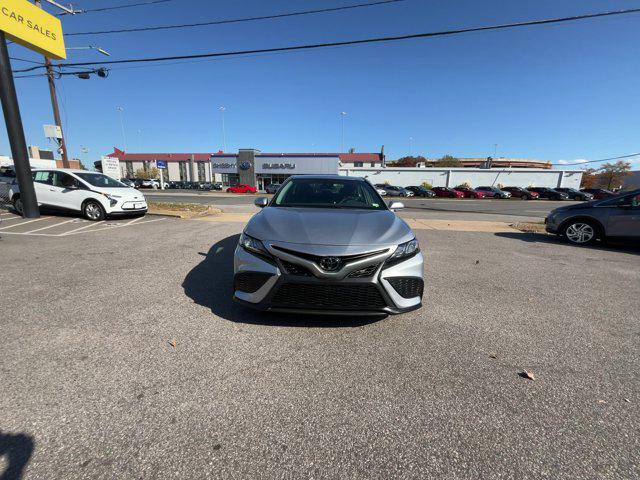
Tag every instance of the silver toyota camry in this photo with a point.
(328, 244)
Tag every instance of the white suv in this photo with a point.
(93, 194)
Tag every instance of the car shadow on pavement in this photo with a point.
(17, 450)
(556, 240)
(210, 284)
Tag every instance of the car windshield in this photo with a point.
(100, 180)
(328, 193)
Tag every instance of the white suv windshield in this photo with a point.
(100, 180)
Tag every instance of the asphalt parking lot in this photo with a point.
(123, 356)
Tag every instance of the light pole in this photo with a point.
(495, 150)
(84, 151)
(411, 146)
(91, 47)
(124, 137)
(222, 109)
(342, 114)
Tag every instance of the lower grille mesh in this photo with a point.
(250, 282)
(407, 287)
(329, 297)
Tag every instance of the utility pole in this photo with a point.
(224, 133)
(343, 114)
(54, 104)
(124, 137)
(18, 144)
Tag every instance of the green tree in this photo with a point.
(613, 173)
(447, 161)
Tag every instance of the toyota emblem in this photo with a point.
(330, 264)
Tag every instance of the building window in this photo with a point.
(182, 166)
(357, 164)
(202, 176)
(229, 179)
(373, 164)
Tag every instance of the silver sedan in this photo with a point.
(328, 244)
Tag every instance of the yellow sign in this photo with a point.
(32, 27)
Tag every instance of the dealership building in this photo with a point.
(259, 169)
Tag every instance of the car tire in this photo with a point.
(580, 232)
(524, 197)
(17, 204)
(92, 210)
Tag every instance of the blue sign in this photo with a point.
(161, 164)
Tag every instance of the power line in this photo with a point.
(118, 7)
(25, 60)
(349, 42)
(237, 20)
(596, 161)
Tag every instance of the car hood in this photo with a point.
(320, 226)
(577, 206)
(126, 193)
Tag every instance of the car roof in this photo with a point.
(67, 170)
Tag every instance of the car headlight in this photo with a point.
(404, 251)
(253, 245)
(113, 199)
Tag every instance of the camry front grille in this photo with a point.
(294, 269)
(364, 272)
(364, 296)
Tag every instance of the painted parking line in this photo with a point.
(23, 223)
(48, 226)
(13, 217)
(112, 227)
(92, 224)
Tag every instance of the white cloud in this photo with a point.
(566, 162)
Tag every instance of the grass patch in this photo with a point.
(179, 207)
(529, 227)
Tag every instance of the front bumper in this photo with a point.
(125, 207)
(278, 290)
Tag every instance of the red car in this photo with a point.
(447, 192)
(470, 193)
(242, 188)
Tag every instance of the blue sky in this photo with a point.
(560, 92)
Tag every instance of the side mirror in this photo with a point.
(396, 205)
(261, 202)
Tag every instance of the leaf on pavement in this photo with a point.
(526, 374)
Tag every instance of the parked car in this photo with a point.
(128, 182)
(149, 183)
(242, 188)
(599, 193)
(420, 191)
(205, 186)
(470, 193)
(549, 193)
(381, 191)
(217, 186)
(447, 192)
(272, 188)
(610, 218)
(7, 175)
(94, 195)
(521, 193)
(494, 192)
(393, 191)
(359, 259)
(574, 194)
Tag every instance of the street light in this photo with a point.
(124, 137)
(91, 47)
(411, 146)
(222, 109)
(343, 114)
